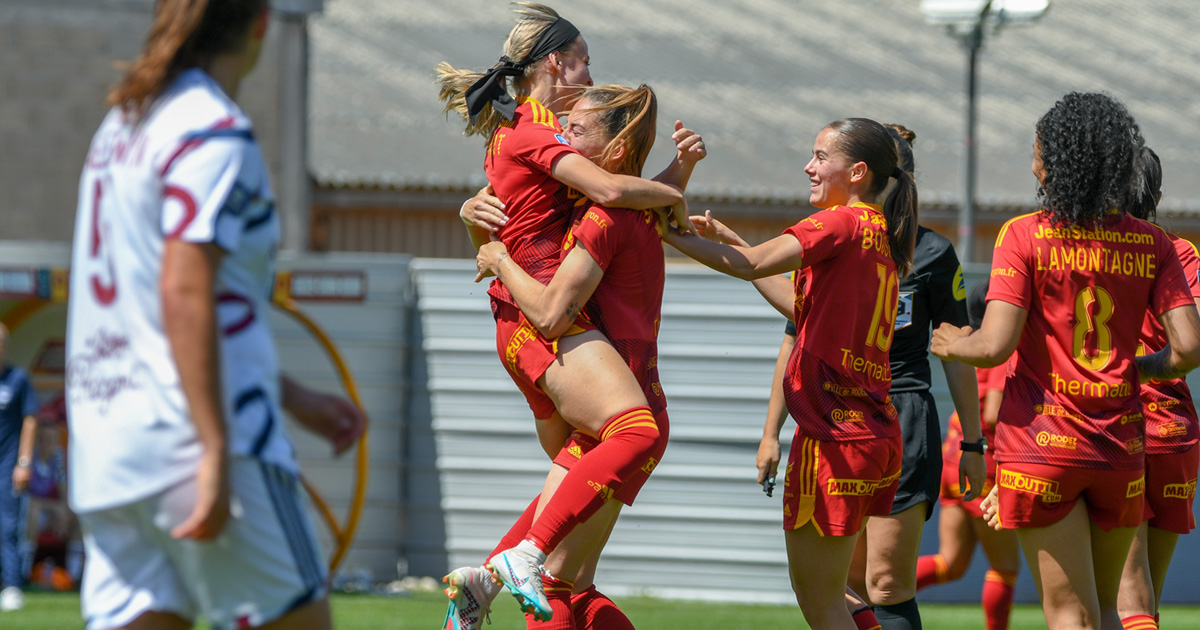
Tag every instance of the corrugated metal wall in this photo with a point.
(373, 337)
(475, 464)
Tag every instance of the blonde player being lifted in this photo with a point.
(184, 480)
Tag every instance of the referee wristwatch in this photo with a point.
(973, 447)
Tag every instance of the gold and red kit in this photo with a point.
(520, 156)
(838, 376)
(1072, 399)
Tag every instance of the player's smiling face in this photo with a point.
(584, 132)
(828, 172)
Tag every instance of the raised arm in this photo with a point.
(777, 290)
(551, 309)
(776, 256)
(689, 149)
(991, 345)
(620, 191)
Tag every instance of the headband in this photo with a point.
(897, 172)
(490, 87)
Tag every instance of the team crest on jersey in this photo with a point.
(904, 310)
(561, 139)
(960, 287)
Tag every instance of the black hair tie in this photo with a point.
(490, 87)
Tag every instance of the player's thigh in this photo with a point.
(589, 382)
(1060, 558)
(1002, 548)
(312, 616)
(266, 564)
(956, 535)
(817, 565)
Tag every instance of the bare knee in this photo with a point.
(888, 588)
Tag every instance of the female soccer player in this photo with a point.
(888, 552)
(185, 482)
(1070, 440)
(1172, 442)
(579, 377)
(845, 459)
(614, 265)
(960, 524)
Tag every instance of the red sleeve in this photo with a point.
(822, 234)
(1191, 264)
(537, 145)
(599, 232)
(1170, 287)
(1012, 277)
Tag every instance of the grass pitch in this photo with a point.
(424, 611)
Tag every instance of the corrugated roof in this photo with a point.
(759, 78)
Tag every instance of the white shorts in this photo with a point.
(264, 564)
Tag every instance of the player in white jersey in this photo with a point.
(185, 482)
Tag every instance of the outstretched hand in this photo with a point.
(689, 144)
(713, 230)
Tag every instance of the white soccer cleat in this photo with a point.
(12, 598)
(520, 569)
(471, 591)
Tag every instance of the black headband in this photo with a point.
(490, 87)
(897, 172)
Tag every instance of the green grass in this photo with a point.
(423, 611)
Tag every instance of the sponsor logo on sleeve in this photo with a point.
(561, 139)
(960, 287)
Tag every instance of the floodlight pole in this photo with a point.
(973, 40)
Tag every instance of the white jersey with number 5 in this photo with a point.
(191, 170)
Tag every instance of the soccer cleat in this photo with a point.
(471, 591)
(521, 571)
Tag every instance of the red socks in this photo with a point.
(864, 619)
(998, 598)
(558, 593)
(626, 441)
(1140, 622)
(932, 570)
(595, 611)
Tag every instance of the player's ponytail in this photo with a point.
(864, 140)
(185, 34)
(629, 116)
(537, 24)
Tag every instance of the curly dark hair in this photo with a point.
(1149, 169)
(1089, 143)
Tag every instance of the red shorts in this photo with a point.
(578, 444)
(1171, 489)
(1037, 495)
(836, 485)
(526, 354)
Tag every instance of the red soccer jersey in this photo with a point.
(627, 304)
(519, 158)
(1171, 425)
(838, 375)
(1073, 397)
